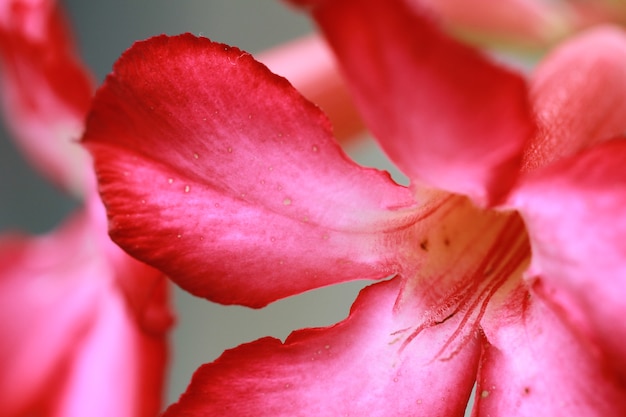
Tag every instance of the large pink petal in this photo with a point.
(574, 211)
(358, 367)
(219, 173)
(579, 96)
(72, 345)
(44, 89)
(443, 113)
(534, 365)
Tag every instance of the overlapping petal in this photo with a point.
(358, 367)
(574, 211)
(309, 64)
(443, 113)
(525, 23)
(534, 365)
(71, 344)
(219, 173)
(45, 90)
(579, 96)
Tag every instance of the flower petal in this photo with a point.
(534, 365)
(579, 96)
(71, 345)
(529, 23)
(443, 113)
(309, 65)
(357, 367)
(217, 172)
(574, 211)
(45, 90)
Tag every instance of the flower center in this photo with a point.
(470, 259)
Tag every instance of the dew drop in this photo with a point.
(287, 201)
(187, 188)
(315, 148)
(230, 150)
(395, 380)
(484, 394)
(195, 155)
(272, 239)
(179, 236)
(327, 347)
(170, 180)
(143, 201)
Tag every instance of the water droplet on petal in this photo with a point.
(187, 188)
(287, 201)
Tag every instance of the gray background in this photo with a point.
(105, 29)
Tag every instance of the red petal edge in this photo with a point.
(357, 367)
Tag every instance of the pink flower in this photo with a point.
(507, 250)
(83, 325)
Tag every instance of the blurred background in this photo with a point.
(103, 31)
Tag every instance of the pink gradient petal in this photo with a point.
(357, 367)
(219, 173)
(45, 90)
(71, 344)
(308, 64)
(574, 212)
(579, 96)
(530, 23)
(444, 114)
(533, 365)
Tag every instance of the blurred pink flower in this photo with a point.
(525, 24)
(507, 250)
(83, 325)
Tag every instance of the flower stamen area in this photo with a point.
(475, 258)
